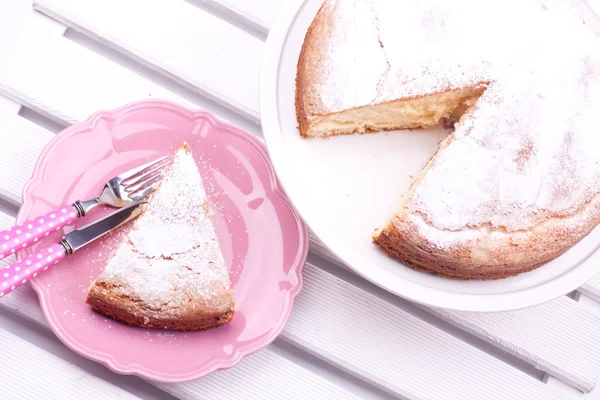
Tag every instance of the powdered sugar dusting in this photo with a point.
(172, 256)
(528, 151)
(382, 50)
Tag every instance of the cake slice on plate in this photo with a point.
(169, 271)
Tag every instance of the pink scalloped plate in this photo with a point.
(263, 239)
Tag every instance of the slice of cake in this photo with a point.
(169, 271)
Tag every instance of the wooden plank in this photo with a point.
(28, 372)
(33, 70)
(558, 337)
(352, 329)
(5, 222)
(592, 288)
(183, 42)
(22, 143)
(12, 14)
(8, 106)
(264, 375)
(258, 14)
(560, 387)
(317, 247)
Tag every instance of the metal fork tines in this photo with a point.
(127, 187)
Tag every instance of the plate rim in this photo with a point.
(402, 287)
(135, 369)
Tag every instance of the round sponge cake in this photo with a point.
(517, 182)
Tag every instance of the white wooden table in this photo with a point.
(61, 60)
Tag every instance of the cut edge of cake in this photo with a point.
(404, 113)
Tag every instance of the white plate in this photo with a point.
(345, 187)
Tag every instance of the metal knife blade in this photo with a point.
(78, 238)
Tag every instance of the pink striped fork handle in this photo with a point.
(22, 271)
(20, 236)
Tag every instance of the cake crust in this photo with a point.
(307, 104)
(496, 256)
(117, 304)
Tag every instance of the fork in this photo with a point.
(123, 189)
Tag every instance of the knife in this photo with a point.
(22, 271)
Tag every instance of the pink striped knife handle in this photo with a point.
(31, 231)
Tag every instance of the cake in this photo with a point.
(517, 181)
(168, 272)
